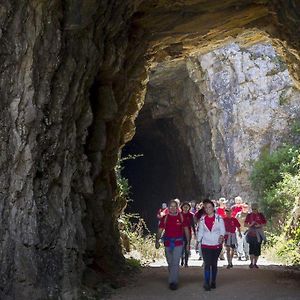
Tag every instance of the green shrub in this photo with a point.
(270, 168)
(276, 179)
(279, 200)
(142, 242)
(132, 226)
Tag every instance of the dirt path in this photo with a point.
(268, 282)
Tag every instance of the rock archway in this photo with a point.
(73, 78)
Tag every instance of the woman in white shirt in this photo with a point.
(211, 236)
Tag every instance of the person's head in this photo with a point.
(164, 205)
(254, 207)
(173, 206)
(177, 201)
(245, 208)
(193, 203)
(238, 200)
(228, 212)
(199, 205)
(209, 206)
(222, 202)
(185, 207)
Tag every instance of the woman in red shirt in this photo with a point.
(174, 228)
(189, 219)
(255, 221)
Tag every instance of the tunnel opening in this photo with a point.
(163, 172)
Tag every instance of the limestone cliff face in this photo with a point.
(229, 105)
(251, 103)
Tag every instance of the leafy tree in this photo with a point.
(271, 167)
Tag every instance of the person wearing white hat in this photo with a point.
(222, 206)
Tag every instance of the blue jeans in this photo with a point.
(173, 259)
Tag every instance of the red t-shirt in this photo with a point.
(221, 212)
(235, 210)
(259, 218)
(209, 222)
(189, 219)
(173, 228)
(231, 224)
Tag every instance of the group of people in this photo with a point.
(215, 225)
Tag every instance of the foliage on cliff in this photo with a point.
(136, 239)
(276, 178)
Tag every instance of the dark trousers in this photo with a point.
(185, 253)
(210, 257)
(254, 246)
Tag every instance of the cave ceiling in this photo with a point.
(177, 28)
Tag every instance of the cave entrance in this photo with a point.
(163, 172)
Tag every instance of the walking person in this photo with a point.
(255, 221)
(188, 217)
(197, 216)
(162, 211)
(222, 206)
(231, 226)
(211, 236)
(174, 228)
(243, 246)
(237, 207)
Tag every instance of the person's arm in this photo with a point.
(238, 226)
(193, 225)
(222, 231)
(158, 237)
(188, 237)
(158, 215)
(195, 217)
(160, 230)
(239, 230)
(200, 232)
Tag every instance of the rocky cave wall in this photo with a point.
(62, 120)
(172, 94)
(229, 105)
(251, 102)
(165, 171)
(72, 81)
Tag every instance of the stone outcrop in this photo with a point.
(72, 81)
(226, 106)
(251, 104)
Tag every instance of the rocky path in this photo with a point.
(269, 282)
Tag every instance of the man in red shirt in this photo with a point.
(174, 228)
(231, 225)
